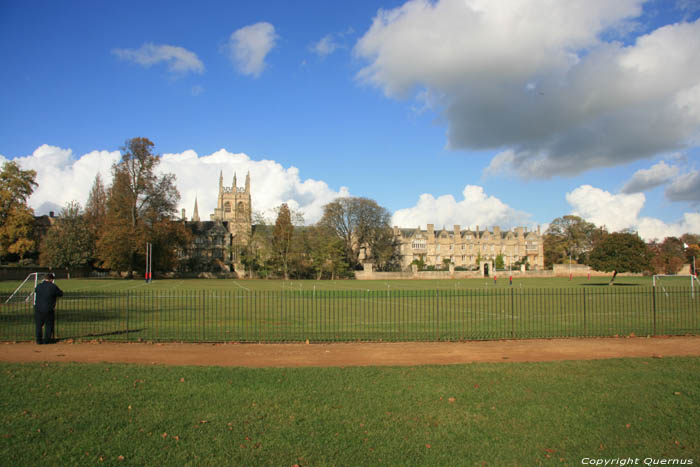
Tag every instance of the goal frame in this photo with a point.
(31, 295)
(693, 278)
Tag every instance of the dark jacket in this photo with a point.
(46, 295)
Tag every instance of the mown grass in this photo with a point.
(497, 414)
(502, 282)
(393, 314)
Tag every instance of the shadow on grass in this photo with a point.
(101, 334)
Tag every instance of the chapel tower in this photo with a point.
(235, 208)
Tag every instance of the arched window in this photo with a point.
(227, 207)
(240, 210)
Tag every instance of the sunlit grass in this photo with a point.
(500, 414)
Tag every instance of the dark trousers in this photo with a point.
(46, 321)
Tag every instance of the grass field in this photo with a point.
(87, 285)
(272, 311)
(477, 414)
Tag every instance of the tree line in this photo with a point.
(573, 239)
(111, 230)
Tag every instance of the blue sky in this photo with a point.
(445, 112)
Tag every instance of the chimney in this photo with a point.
(50, 213)
(183, 215)
(457, 228)
(538, 230)
(497, 231)
(431, 229)
(396, 231)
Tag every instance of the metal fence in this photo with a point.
(396, 315)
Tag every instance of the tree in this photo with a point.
(16, 217)
(499, 263)
(620, 252)
(668, 256)
(358, 222)
(96, 210)
(327, 252)
(569, 236)
(69, 243)
(140, 206)
(282, 239)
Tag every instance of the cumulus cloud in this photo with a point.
(63, 177)
(646, 179)
(685, 188)
(179, 59)
(476, 208)
(537, 81)
(248, 46)
(271, 183)
(621, 211)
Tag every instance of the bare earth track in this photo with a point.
(351, 354)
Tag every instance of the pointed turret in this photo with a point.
(195, 216)
(247, 183)
(235, 184)
(220, 203)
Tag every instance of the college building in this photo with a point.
(216, 243)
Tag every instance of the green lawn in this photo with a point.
(221, 310)
(502, 282)
(476, 414)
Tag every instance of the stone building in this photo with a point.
(216, 243)
(467, 248)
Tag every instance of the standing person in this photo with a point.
(45, 296)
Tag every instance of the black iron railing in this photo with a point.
(324, 316)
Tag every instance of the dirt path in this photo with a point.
(352, 354)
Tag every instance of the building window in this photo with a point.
(227, 207)
(437, 248)
(437, 259)
(452, 247)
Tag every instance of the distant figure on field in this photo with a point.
(45, 296)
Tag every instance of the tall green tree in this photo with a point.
(69, 242)
(569, 236)
(96, 212)
(282, 236)
(140, 206)
(359, 222)
(327, 253)
(621, 252)
(16, 217)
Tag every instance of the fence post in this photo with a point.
(512, 315)
(584, 313)
(126, 316)
(653, 302)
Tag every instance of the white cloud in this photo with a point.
(646, 179)
(621, 211)
(179, 59)
(63, 177)
(476, 208)
(685, 188)
(271, 183)
(536, 81)
(325, 46)
(248, 46)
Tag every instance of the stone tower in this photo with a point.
(235, 208)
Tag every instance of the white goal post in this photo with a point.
(661, 279)
(683, 277)
(25, 291)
